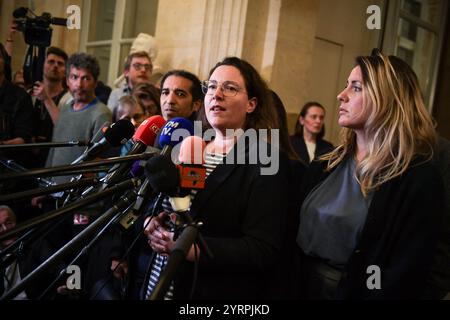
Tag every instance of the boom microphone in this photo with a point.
(20, 12)
(114, 136)
(145, 136)
(161, 173)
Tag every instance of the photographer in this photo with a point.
(48, 94)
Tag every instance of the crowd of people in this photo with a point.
(366, 219)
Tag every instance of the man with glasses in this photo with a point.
(138, 69)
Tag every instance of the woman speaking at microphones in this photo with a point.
(242, 207)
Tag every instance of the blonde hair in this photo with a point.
(398, 128)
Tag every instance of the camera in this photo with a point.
(36, 30)
(38, 34)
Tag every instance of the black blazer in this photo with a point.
(399, 235)
(244, 216)
(298, 143)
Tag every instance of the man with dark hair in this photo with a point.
(181, 95)
(82, 117)
(138, 69)
(48, 94)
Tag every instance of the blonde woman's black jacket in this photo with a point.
(399, 235)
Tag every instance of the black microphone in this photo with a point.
(20, 12)
(47, 190)
(44, 145)
(161, 176)
(59, 21)
(145, 136)
(114, 136)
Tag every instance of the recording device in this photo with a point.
(37, 33)
(189, 174)
(36, 29)
(115, 135)
(145, 136)
(191, 158)
(162, 175)
(173, 132)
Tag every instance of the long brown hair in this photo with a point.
(399, 126)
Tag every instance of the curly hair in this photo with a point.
(86, 61)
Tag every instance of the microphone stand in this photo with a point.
(14, 166)
(44, 145)
(128, 184)
(131, 196)
(49, 190)
(71, 168)
(72, 245)
(177, 256)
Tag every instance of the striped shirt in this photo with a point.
(160, 261)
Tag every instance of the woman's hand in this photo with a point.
(159, 238)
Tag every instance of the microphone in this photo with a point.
(45, 145)
(161, 173)
(192, 150)
(59, 21)
(20, 12)
(161, 176)
(184, 228)
(192, 175)
(114, 136)
(191, 158)
(144, 136)
(173, 132)
(181, 126)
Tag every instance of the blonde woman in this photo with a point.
(368, 230)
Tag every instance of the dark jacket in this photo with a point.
(29, 258)
(399, 235)
(244, 216)
(17, 108)
(298, 143)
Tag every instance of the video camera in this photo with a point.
(38, 34)
(36, 30)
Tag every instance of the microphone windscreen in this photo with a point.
(174, 131)
(162, 174)
(137, 169)
(20, 12)
(149, 129)
(119, 132)
(192, 150)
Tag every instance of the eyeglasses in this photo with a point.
(228, 88)
(139, 66)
